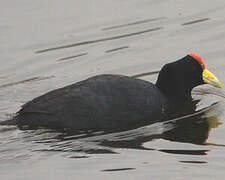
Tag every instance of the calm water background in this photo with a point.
(45, 45)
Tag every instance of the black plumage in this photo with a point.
(115, 102)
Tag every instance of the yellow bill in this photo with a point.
(209, 78)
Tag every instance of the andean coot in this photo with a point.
(116, 102)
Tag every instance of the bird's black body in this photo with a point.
(103, 102)
(115, 102)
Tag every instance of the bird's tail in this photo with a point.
(8, 122)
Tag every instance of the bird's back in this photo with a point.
(103, 102)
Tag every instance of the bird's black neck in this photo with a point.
(176, 80)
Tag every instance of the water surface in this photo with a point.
(49, 44)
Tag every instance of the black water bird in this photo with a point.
(115, 102)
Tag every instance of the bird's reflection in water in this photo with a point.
(194, 128)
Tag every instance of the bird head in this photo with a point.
(177, 79)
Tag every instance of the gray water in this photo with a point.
(46, 45)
